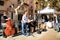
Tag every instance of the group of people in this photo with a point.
(27, 23)
(51, 21)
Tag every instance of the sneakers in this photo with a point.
(27, 34)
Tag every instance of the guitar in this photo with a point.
(29, 21)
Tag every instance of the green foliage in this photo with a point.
(55, 4)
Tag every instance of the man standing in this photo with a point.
(56, 24)
(24, 22)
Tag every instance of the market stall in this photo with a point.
(45, 16)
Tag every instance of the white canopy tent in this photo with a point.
(47, 10)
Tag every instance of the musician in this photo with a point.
(24, 21)
(4, 16)
(35, 22)
(32, 24)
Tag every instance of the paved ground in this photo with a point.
(48, 35)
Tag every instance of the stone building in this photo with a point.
(7, 3)
(4, 5)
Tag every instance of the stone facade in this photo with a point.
(7, 4)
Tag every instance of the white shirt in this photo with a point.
(49, 24)
(24, 19)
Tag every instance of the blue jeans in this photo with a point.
(24, 25)
(56, 26)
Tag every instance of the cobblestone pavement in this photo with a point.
(48, 35)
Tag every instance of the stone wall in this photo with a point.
(7, 4)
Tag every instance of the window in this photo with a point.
(19, 1)
(1, 2)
